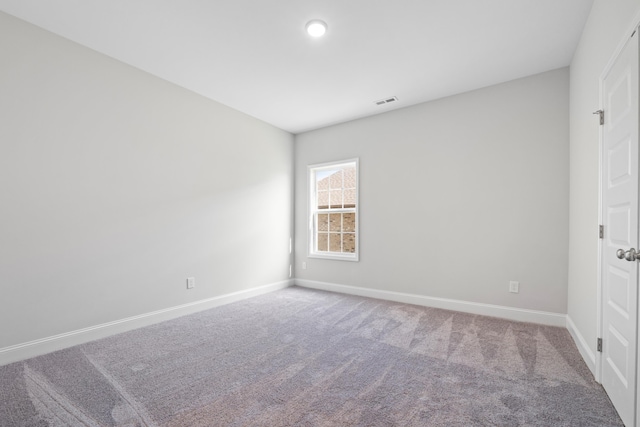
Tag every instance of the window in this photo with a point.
(333, 213)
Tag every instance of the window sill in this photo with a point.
(337, 257)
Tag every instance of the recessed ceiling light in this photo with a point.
(316, 28)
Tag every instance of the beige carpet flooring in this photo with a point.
(300, 357)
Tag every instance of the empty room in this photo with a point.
(333, 213)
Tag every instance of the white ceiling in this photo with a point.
(255, 56)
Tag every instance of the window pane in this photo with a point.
(335, 222)
(349, 242)
(336, 198)
(349, 222)
(323, 222)
(323, 182)
(350, 198)
(335, 180)
(323, 199)
(335, 242)
(323, 242)
(350, 177)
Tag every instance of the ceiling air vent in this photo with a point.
(387, 100)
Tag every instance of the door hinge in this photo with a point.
(601, 114)
(600, 345)
(601, 231)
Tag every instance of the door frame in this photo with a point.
(599, 297)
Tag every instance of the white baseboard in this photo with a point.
(41, 346)
(583, 347)
(511, 313)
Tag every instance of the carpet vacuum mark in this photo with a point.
(300, 357)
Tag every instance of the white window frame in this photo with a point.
(313, 210)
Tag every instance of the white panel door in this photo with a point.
(620, 216)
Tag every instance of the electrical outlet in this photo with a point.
(514, 287)
(191, 282)
(304, 265)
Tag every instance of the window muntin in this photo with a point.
(334, 210)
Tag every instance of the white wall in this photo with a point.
(458, 196)
(607, 24)
(116, 186)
